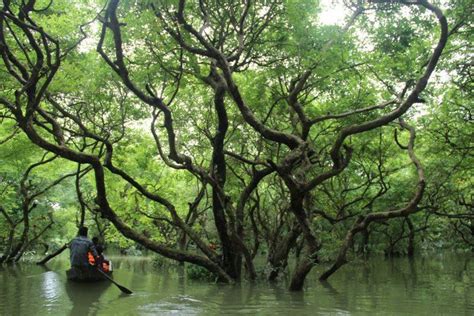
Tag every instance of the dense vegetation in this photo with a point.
(214, 131)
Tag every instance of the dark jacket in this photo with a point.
(79, 247)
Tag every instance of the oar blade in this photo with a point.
(124, 289)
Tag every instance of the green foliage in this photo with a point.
(195, 272)
(102, 114)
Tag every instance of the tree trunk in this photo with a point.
(365, 242)
(9, 246)
(230, 260)
(17, 250)
(411, 238)
(279, 252)
(312, 244)
(302, 269)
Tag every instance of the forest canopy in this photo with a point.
(215, 132)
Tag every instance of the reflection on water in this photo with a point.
(179, 305)
(431, 285)
(85, 297)
(51, 289)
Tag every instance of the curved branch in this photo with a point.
(363, 222)
(413, 96)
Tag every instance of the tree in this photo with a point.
(242, 100)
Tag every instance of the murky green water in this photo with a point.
(436, 285)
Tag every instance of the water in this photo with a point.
(431, 285)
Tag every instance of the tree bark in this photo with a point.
(411, 238)
(219, 172)
(280, 250)
(310, 257)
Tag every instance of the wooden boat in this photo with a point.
(86, 274)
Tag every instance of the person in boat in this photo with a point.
(79, 247)
(98, 260)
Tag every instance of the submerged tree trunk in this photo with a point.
(280, 250)
(219, 171)
(312, 245)
(411, 238)
(11, 235)
(365, 242)
(9, 246)
(303, 268)
(17, 251)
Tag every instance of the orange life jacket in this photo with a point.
(105, 266)
(90, 257)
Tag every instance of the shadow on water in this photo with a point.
(85, 297)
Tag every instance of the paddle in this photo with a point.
(122, 288)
